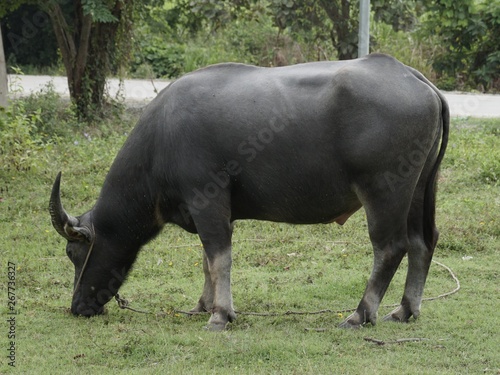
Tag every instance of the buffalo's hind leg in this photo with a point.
(387, 216)
(420, 252)
(419, 258)
(387, 257)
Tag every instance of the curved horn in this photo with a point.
(60, 219)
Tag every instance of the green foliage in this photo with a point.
(56, 118)
(99, 10)
(20, 144)
(400, 15)
(158, 49)
(29, 38)
(470, 31)
(296, 14)
(254, 41)
(11, 5)
(326, 19)
(218, 12)
(164, 56)
(30, 126)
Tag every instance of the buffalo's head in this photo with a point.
(98, 275)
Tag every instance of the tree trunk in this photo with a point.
(73, 42)
(344, 33)
(3, 75)
(101, 48)
(86, 47)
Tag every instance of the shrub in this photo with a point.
(19, 144)
(30, 126)
(55, 118)
(165, 59)
(470, 33)
(170, 49)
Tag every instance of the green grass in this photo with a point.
(277, 268)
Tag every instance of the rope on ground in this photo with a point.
(398, 341)
(457, 282)
(124, 304)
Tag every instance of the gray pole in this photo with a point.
(3, 76)
(364, 28)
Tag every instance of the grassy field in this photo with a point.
(277, 268)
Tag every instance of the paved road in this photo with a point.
(139, 92)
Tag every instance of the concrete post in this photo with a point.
(3, 75)
(364, 28)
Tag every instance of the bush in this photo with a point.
(19, 144)
(30, 126)
(470, 34)
(55, 119)
(165, 60)
(167, 52)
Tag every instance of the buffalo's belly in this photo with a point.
(293, 206)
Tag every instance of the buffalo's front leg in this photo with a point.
(206, 300)
(219, 265)
(215, 232)
(216, 297)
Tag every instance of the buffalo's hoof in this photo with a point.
(392, 318)
(197, 311)
(216, 327)
(219, 320)
(399, 315)
(347, 324)
(200, 308)
(357, 320)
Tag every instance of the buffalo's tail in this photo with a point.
(429, 224)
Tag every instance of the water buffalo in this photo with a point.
(304, 144)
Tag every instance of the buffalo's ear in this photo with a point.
(78, 233)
